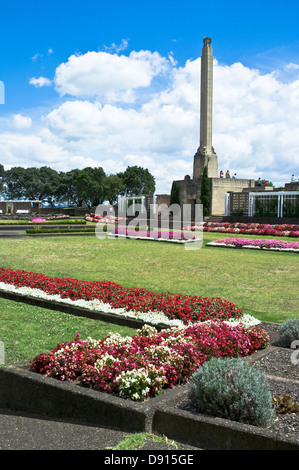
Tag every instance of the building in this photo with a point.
(14, 207)
(265, 202)
(189, 189)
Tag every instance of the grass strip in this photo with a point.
(137, 440)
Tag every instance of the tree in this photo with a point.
(174, 194)
(137, 181)
(205, 194)
(31, 183)
(85, 187)
(2, 171)
(88, 186)
(113, 187)
(14, 181)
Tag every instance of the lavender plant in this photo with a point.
(288, 332)
(229, 388)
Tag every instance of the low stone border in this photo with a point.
(166, 240)
(216, 433)
(25, 391)
(79, 311)
(254, 248)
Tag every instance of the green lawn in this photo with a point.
(27, 331)
(262, 284)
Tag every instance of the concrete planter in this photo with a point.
(22, 390)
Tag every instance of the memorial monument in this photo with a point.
(205, 155)
(189, 189)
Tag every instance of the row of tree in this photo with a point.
(78, 187)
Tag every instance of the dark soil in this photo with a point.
(281, 369)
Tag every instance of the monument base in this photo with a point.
(204, 158)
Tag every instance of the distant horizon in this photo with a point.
(117, 85)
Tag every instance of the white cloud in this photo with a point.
(21, 122)
(97, 123)
(108, 77)
(256, 124)
(36, 56)
(18, 149)
(116, 48)
(40, 82)
(292, 66)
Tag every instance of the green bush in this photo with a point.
(174, 193)
(41, 231)
(229, 388)
(205, 192)
(288, 332)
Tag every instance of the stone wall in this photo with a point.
(189, 191)
(221, 186)
(16, 207)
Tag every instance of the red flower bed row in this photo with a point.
(169, 357)
(286, 230)
(175, 306)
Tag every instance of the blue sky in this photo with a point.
(37, 38)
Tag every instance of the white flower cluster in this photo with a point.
(93, 343)
(147, 330)
(67, 347)
(136, 384)
(246, 320)
(159, 352)
(106, 360)
(116, 338)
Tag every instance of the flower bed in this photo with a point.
(140, 366)
(173, 236)
(37, 220)
(259, 244)
(285, 230)
(57, 221)
(58, 217)
(108, 219)
(181, 309)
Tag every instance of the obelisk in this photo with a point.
(205, 155)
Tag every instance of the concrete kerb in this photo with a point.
(25, 391)
(78, 311)
(216, 433)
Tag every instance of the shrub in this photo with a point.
(229, 388)
(288, 332)
(205, 192)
